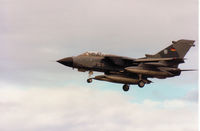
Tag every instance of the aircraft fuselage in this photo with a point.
(126, 70)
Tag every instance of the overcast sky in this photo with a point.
(36, 93)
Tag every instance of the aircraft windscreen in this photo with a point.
(92, 53)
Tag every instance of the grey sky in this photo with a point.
(37, 32)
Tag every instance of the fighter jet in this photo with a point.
(130, 71)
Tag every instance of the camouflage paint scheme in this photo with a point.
(125, 70)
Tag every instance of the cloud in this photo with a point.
(75, 108)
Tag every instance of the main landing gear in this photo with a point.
(126, 87)
(141, 83)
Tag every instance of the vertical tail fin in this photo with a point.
(177, 49)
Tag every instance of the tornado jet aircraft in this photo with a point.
(132, 71)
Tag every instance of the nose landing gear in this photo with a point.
(90, 73)
(89, 80)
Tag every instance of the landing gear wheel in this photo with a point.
(89, 80)
(90, 73)
(125, 87)
(141, 84)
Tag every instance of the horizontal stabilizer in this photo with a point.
(189, 70)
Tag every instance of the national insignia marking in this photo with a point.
(172, 49)
(165, 51)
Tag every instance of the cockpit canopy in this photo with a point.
(92, 53)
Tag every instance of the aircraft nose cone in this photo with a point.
(66, 61)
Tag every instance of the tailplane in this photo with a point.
(188, 69)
